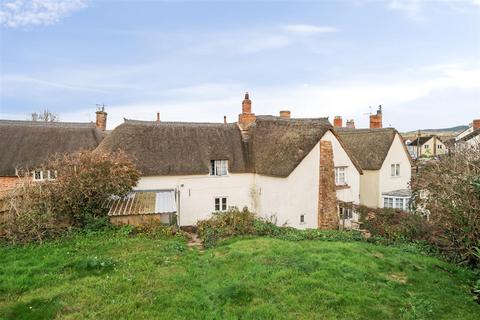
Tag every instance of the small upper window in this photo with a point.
(395, 170)
(426, 146)
(38, 175)
(439, 146)
(302, 218)
(221, 204)
(52, 174)
(218, 167)
(340, 176)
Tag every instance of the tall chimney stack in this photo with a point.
(351, 124)
(376, 119)
(158, 117)
(101, 118)
(246, 118)
(285, 114)
(337, 122)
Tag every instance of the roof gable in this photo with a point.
(369, 146)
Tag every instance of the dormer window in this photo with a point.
(218, 167)
(40, 175)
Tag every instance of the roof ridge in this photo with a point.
(47, 124)
(165, 123)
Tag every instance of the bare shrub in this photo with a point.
(84, 181)
(448, 190)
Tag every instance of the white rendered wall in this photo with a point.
(387, 183)
(370, 188)
(287, 198)
(341, 159)
(198, 192)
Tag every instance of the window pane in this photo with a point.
(217, 204)
(212, 167)
(392, 170)
(224, 203)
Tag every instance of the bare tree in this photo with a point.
(45, 116)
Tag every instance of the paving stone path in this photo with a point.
(194, 241)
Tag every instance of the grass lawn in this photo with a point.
(111, 276)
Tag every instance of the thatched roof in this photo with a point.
(420, 140)
(273, 146)
(368, 146)
(178, 148)
(26, 144)
(279, 145)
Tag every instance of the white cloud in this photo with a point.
(22, 13)
(415, 8)
(307, 29)
(407, 102)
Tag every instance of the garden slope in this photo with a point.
(115, 276)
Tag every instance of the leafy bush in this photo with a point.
(234, 223)
(85, 181)
(448, 190)
(226, 224)
(157, 229)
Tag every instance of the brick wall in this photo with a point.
(327, 199)
(8, 183)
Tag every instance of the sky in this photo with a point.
(194, 60)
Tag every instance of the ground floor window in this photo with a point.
(302, 218)
(346, 213)
(220, 204)
(401, 203)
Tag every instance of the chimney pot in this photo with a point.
(376, 119)
(476, 124)
(285, 114)
(246, 118)
(225, 119)
(101, 118)
(337, 122)
(158, 116)
(351, 124)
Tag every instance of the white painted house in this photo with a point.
(386, 166)
(470, 137)
(292, 170)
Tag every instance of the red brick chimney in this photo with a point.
(285, 114)
(246, 118)
(351, 124)
(158, 117)
(337, 122)
(101, 120)
(476, 124)
(376, 119)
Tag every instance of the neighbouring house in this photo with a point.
(296, 172)
(470, 137)
(25, 145)
(426, 147)
(385, 162)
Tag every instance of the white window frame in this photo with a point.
(34, 174)
(218, 168)
(393, 202)
(222, 204)
(345, 213)
(395, 170)
(338, 181)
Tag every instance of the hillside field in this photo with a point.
(110, 275)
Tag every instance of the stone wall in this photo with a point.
(327, 199)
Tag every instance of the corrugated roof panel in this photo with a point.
(143, 202)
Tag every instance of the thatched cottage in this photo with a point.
(25, 145)
(291, 170)
(385, 161)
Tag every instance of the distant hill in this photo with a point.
(445, 132)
